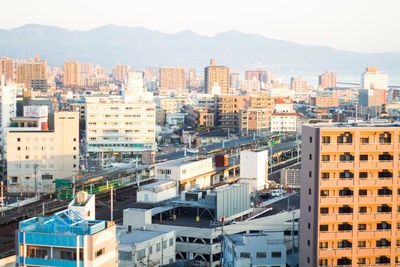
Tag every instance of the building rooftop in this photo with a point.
(239, 239)
(65, 222)
(179, 162)
(136, 236)
(353, 125)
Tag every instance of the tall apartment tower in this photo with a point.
(327, 80)
(119, 72)
(173, 78)
(7, 68)
(372, 78)
(350, 194)
(297, 84)
(31, 72)
(216, 76)
(72, 74)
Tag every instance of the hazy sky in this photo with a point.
(356, 25)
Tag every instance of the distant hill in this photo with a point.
(140, 48)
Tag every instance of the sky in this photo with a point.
(366, 26)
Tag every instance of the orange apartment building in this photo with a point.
(173, 78)
(350, 195)
(324, 101)
(327, 80)
(216, 75)
(227, 109)
(199, 116)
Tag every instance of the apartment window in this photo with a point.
(309, 208)
(276, 254)
(140, 254)
(383, 243)
(323, 245)
(325, 158)
(37, 253)
(19, 148)
(164, 244)
(361, 261)
(362, 192)
(309, 174)
(150, 249)
(171, 242)
(245, 255)
(324, 210)
(309, 191)
(74, 157)
(385, 138)
(100, 252)
(361, 244)
(47, 176)
(324, 193)
(14, 179)
(362, 209)
(344, 244)
(67, 255)
(364, 140)
(310, 139)
(382, 260)
(363, 157)
(18, 139)
(74, 139)
(158, 246)
(326, 139)
(308, 243)
(363, 175)
(308, 259)
(384, 226)
(323, 228)
(309, 225)
(310, 156)
(261, 254)
(74, 147)
(325, 175)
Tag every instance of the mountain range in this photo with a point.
(140, 47)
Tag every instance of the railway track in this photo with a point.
(9, 223)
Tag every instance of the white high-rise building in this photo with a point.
(120, 127)
(8, 109)
(372, 78)
(134, 81)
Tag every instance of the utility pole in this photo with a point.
(2, 199)
(222, 243)
(293, 248)
(73, 186)
(35, 166)
(298, 146)
(112, 203)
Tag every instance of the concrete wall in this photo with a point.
(145, 195)
(309, 184)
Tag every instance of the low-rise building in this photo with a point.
(324, 101)
(290, 177)
(266, 248)
(283, 122)
(65, 239)
(188, 172)
(142, 248)
(254, 168)
(157, 192)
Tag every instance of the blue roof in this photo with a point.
(63, 222)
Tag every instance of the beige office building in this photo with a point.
(7, 68)
(173, 78)
(72, 74)
(27, 72)
(35, 158)
(327, 80)
(216, 76)
(119, 72)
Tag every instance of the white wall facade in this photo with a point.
(254, 164)
(283, 122)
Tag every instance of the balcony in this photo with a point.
(378, 216)
(51, 262)
(348, 182)
(368, 251)
(375, 182)
(336, 235)
(369, 234)
(335, 252)
(337, 147)
(336, 200)
(336, 217)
